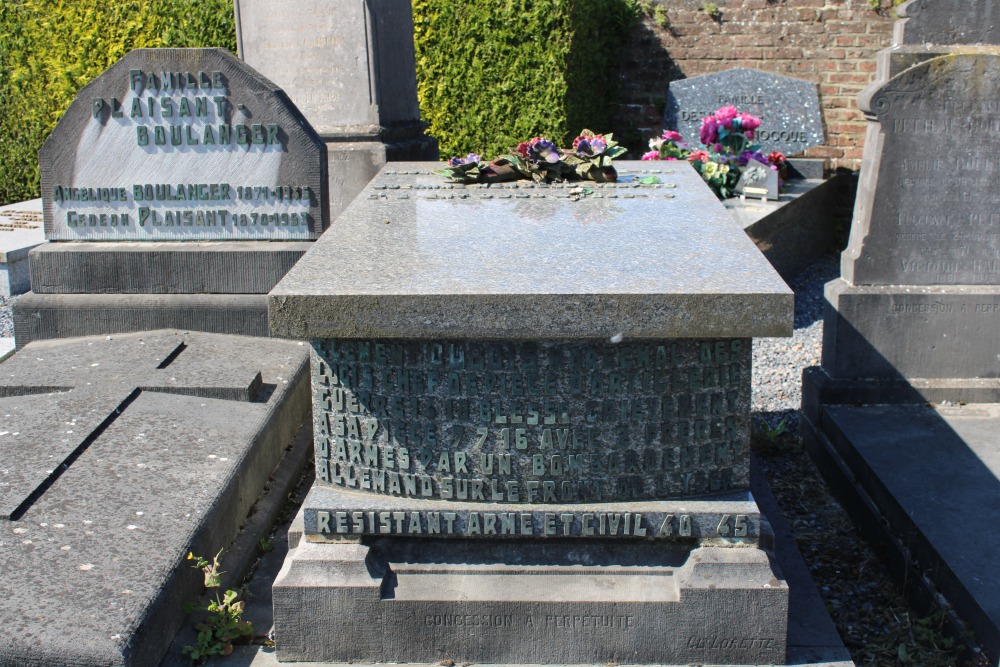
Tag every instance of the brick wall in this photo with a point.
(830, 42)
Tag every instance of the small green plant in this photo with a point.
(660, 17)
(264, 545)
(222, 624)
(712, 10)
(773, 433)
(656, 11)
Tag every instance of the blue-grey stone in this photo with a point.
(944, 23)
(788, 108)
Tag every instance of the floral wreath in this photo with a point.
(541, 160)
(725, 152)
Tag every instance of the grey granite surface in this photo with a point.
(416, 256)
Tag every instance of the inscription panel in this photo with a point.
(788, 107)
(934, 333)
(532, 423)
(183, 144)
(933, 214)
(566, 522)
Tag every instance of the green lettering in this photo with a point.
(136, 79)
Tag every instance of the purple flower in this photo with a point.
(471, 158)
(540, 148)
(590, 146)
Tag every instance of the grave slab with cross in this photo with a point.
(118, 456)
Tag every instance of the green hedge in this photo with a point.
(49, 49)
(491, 74)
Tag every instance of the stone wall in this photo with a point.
(830, 42)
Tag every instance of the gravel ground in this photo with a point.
(778, 362)
(6, 323)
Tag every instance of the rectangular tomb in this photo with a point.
(531, 403)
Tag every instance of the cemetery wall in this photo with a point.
(830, 42)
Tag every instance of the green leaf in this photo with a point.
(902, 653)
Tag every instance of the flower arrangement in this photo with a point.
(541, 160)
(726, 149)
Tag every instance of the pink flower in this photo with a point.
(651, 155)
(776, 157)
(725, 116)
(670, 159)
(697, 156)
(749, 134)
(671, 135)
(748, 122)
(709, 130)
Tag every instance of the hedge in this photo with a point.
(489, 74)
(49, 49)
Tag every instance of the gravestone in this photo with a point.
(351, 70)
(911, 325)
(531, 409)
(20, 231)
(165, 187)
(788, 108)
(119, 455)
(947, 23)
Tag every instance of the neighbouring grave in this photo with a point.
(788, 108)
(20, 231)
(798, 225)
(165, 187)
(903, 407)
(118, 456)
(531, 409)
(352, 73)
(798, 228)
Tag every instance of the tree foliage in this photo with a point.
(491, 74)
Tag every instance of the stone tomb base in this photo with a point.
(924, 482)
(93, 287)
(908, 344)
(554, 600)
(118, 456)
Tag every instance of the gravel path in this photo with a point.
(778, 362)
(6, 323)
